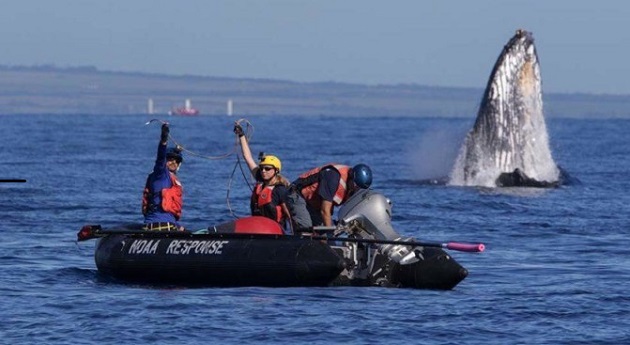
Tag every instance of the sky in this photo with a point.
(583, 45)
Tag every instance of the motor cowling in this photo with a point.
(369, 214)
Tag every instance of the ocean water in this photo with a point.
(556, 268)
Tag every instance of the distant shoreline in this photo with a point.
(86, 90)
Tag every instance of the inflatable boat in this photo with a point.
(362, 250)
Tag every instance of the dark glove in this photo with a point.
(165, 131)
(238, 130)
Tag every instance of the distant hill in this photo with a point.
(86, 90)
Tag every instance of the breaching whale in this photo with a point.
(508, 145)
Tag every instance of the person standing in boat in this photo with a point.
(162, 198)
(313, 196)
(269, 193)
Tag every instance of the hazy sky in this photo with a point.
(583, 45)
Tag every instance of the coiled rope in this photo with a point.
(248, 131)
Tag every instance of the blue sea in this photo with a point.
(556, 269)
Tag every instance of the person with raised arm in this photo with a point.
(162, 199)
(269, 193)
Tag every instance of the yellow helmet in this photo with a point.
(271, 160)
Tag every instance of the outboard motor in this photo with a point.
(368, 214)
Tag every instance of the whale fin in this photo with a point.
(510, 131)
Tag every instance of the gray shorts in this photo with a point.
(303, 216)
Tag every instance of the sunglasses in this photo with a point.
(267, 168)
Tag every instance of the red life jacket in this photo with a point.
(309, 188)
(171, 198)
(262, 204)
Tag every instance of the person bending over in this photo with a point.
(315, 193)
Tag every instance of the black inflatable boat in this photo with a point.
(253, 251)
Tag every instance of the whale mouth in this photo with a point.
(509, 132)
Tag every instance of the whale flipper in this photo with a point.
(510, 131)
(517, 178)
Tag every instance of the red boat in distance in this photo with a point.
(187, 110)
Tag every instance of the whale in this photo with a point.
(508, 145)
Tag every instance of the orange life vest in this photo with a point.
(311, 183)
(171, 198)
(262, 203)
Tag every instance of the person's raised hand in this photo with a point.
(165, 132)
(238, 130)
